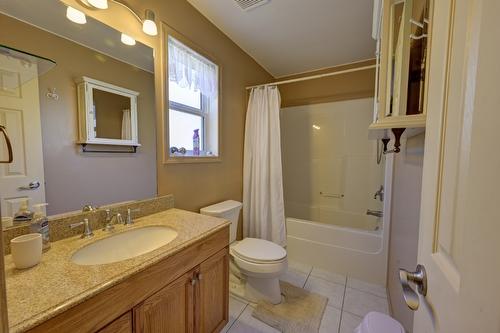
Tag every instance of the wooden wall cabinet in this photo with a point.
(403, 53)
(187, 292)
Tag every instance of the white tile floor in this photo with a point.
(349, 300)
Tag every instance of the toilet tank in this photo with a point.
(229, 210)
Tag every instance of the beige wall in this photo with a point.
(403, 240)
(197, 185)
(330, 89)
(90, 178)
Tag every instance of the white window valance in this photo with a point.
(190, 69)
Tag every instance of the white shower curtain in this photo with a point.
(263, 206)
(126, 125)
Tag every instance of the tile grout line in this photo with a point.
(342, 307)
(307, 278)
(237, 318)
(353, 314)
(367, 292)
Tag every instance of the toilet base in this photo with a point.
(263, 289)
(255, 290)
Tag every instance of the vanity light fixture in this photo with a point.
(74, 15)
(99, 4)
(127, 40)
(316, 127)
(148, 23)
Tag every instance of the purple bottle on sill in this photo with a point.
(196, 142)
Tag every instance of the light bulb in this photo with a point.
(127, 40)
(74, 15)
(100, 4)
(149, 25)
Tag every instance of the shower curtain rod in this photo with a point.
(312, 77)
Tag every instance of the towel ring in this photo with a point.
(9, 146)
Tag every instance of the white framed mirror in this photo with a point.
(107, 114)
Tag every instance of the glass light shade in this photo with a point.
(149, 28)
(100, 4)
(74, 15)
(148, 24)
(127, 40)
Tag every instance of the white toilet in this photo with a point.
(259, 262)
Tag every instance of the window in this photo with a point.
(193, 103)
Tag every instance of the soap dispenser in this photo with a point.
(40, 224)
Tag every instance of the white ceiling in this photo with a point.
(293, 36)
(50, 15)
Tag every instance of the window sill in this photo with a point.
(188, 157)
(191, 159)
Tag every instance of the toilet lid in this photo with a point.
(375, 322)
(258, 250)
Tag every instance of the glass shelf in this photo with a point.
(43, 64)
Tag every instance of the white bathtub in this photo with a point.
(333, 216)
(358, 253)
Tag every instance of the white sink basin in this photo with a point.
(126, 245)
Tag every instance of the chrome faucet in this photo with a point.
(87, 230)
(108, 226)
(111, 220)
(129, 220)
(379, 193)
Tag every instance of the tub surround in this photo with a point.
(57, 284)
(59, 224)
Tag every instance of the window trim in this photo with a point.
(167, 31)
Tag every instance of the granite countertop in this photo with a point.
(56, 284)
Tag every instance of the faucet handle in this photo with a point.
(119, 218)
(87, 230)
(108, 215)
(129, 220)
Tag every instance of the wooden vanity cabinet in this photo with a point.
(169, 310)
(120, 325)
(212, 294)
(185, 293)
(195, 302)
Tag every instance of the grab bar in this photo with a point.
(9, 146)
(376, 213)
(331, 195)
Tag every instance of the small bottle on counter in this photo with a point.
(196, 142)
(40, 224)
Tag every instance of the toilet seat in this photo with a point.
(258, 251)
(259, 258)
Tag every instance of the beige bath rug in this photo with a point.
(300, 312)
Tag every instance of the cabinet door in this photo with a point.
(120, 325)
(212, 293)
(170, 310)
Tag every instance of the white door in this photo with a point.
(460, 211)
(20, 114)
